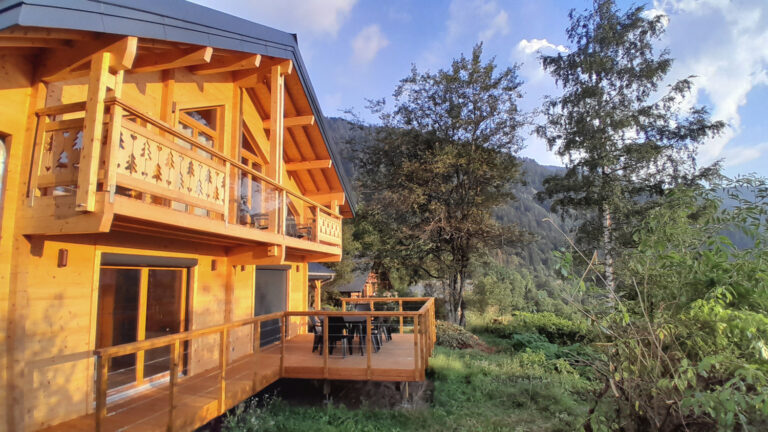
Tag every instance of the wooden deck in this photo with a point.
(197, 397)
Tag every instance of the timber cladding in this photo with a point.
(59, 321)
(204, 156)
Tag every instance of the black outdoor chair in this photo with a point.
(317, 329)
(337, 331)
(376, 339)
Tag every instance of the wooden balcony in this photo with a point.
(186, 398)
(152, 178)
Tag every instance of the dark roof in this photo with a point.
(357, 284)
(171, 20)
(319, 271)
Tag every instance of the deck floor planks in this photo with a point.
(197, 395)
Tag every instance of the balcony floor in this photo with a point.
(197, 395)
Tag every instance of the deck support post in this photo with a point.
(400, 303)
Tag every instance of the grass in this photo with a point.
(474, 390)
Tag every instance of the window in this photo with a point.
(202, 125)
(139, 303)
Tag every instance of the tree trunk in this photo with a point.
(608, 246)
(462, 319)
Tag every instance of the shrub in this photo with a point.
(453, 336)
(555, 329)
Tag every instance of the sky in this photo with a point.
(356, 50)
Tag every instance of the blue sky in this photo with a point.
(359, 49)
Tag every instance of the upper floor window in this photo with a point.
(202, 125)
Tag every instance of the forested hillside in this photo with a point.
(526, 211)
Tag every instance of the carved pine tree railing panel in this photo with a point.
(59, 153)
(149, 163)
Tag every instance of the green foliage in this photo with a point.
(624, 145)
(554, 329)
(454, 336)
(474, 391)
(440, 162)
(684, 336)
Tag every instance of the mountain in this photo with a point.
(527, 212)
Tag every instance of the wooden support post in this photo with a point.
(101, 392)
(173, 382)
(325, 347)
(113, 139)
(343, 305)
(400, 303)
(276, 120)
(368, 344)
(92, 132)
(227, 174)
(223, 360)
(284, 212)
(318, 293)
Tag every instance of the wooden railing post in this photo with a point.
(223, 359)
(400, 302)
(368, 344)
(101, 391)
(283, 338)
(343, 305)
(173, 382)
(416, 362)
(257, 336)
(325, 347)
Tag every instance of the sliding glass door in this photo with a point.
(139, 303)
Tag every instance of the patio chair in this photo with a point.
(337, 331)
(317, 329)
(375, 329)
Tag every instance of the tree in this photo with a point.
(624, 144)
(440, 161)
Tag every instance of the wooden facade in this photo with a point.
(166, 179)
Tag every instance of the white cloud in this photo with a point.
(498, 25)
(368, 43)
(737, 155)
(724, 43)
(479, 19)
(535, 45)
(309, 18)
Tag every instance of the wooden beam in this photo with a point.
(307, 120)
(277, 115)
(73, 62)
(308, 165)
(31, 42)
(92, 133)
(246, 78)
(325, 198)
(228, 64)
(286, 66)
(41, 32)
(172, 60)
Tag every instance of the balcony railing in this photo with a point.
(145, 159)
(289, 351)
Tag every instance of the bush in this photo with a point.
(555, 329)
(453, 336)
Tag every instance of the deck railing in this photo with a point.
(292, 324)
(147, 159)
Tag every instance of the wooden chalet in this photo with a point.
(166, 179)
